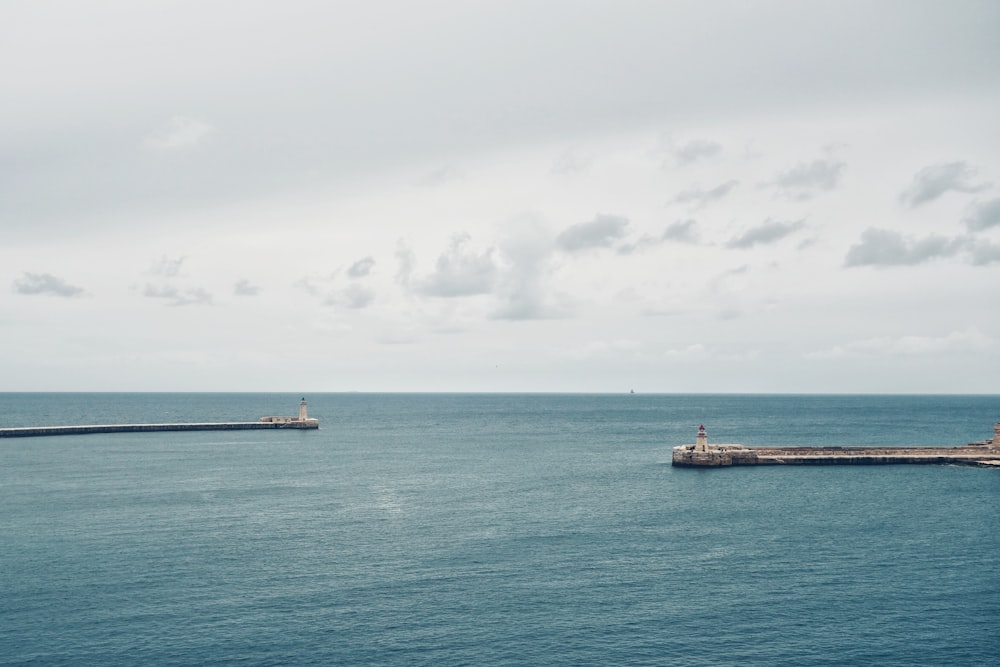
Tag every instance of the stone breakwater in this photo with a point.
(300, 421)
(36, 431)
(714, 456)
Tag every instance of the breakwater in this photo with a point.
(36, 431)
(703, 455)
(735, 455)
(300, 421)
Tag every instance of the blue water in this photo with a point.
(493, 529)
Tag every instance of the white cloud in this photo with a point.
(983, 215)
(693, 351)
(442, 175)
(525, 291)
(770, 231)
(45, 283)
(969, 340)
(984, 252)
(701, 197)
(808, 179)
(600, 348)
(885, 247)
(354, 297)
(178, 297)
(361, 268)
(168, 267)
(644, 242)
(696, 150)
(406, 262)
(571, 161)
(461, 271)
(682, 231)
(178, 134)
(244, 287)
(600, 232)
(935, 180)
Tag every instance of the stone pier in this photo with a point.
(302, 421)
(703, 455)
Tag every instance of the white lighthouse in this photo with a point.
(701, 442)
(301, 421)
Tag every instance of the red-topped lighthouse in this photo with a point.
(701, 442)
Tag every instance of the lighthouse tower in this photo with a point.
(303, 413)
(701, 442)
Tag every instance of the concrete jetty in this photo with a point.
(703, 455)
(300, 421)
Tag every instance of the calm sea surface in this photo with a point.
(493, 530)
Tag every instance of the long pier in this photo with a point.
(36, 431)
(301, 421)
(703, 455)
(735, 455)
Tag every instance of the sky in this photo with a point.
(516, 196)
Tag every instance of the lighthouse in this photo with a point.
(701, 442)
(303, 413)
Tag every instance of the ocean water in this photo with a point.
(493, 530)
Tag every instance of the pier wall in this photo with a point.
(716, 456)
(37, 431)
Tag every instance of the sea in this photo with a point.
(494, 529)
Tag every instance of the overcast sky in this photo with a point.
(500, 196)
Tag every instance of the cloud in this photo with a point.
(884, 247)
(570, 162)
(45, 283)
(353, 296)
(641, 243)
(699, 149)
(527, 302)
(244, 288)
(167, 266)
(808, 179)
(984, 252)
(769, 232)
(406, 261)
(971, 339)
(600, 232)
(601, 348)
(681, 231)
(693, 351)
(315, 284)
(441, 176)
(524, 290)
(361, 268)
(702, 197)
(983, 215)
(933, 181)
(179, 133)
(461, 272)
(178, 297)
